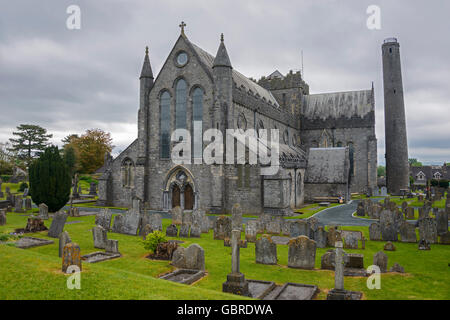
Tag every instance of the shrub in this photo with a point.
(444, 184)
(5, 177)
(88, 179)
(23, 186)
(153, 239)
(50, 180)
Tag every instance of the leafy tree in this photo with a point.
(381, 171)
(90, 149)
(414, 163)
(30, 142)
(50, 180)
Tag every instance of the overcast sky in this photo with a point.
(72, 80)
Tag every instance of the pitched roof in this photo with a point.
(338, 104)
(239, 79)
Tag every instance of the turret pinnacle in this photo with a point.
(146, 68)
(222, 59)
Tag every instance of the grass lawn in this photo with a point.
(36, 273)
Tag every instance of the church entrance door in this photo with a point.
(176, 197)
(188, 198)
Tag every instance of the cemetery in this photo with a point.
(234, 256)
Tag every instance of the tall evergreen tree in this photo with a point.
(70, 159)
(30, 142)
(50, 180)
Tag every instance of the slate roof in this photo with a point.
(239, 79)
(430, 171)
(327, 166)
(338, 104)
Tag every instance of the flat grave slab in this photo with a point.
(99, 256)
(184, 276)
(280, 240)
(259, 289)
(30, 242)
(73, 222)
(355, 272)
(296, 291)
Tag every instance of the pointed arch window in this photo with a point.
(165, 125)
(197, 122)
(180, 108)
(127, 173)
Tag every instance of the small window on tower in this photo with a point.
(390, 50)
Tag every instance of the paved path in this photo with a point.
(342, 216)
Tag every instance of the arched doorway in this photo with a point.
(188, 198)
(176, 199)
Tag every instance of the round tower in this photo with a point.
(397, 168)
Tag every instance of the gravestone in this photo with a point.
(43, 211)
(71, 256)
(118, 223)
(408, 233)
(302, 253)
(236, 282)
(103, 219)
(236, 217)
(410, 213)
(274, 226)
(424, 245)
(388, 226)
(380, 259)
(445, 238)
(285, 227)
(389, 246)
(205, 224)
(18, 205)
(375, 232)
(327, 260)
(266, 250)
(313, 224)
(28, 204)
(222, 228)
(350, 240)
(197, 216)
(196, 231)
(57, 226)
(383, 192)
(192, 258)
(187, 218)
(321, 237)
(333, 235)
(172, 231)
(93, 189)
(112, 246)
(177, 216)
(260, 225)
(2, 217)
(428, 230)
(100, 236)
(184, 231)
(131, 222)
(64, 239)
(398, 219)
(250, 230)
(156, 222)
(299, 228)
(404, 206)
(360, 212)
(397, 268)
(441, 222)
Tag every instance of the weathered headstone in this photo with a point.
(172, 231)
(274, 226)
(424, 245)
(28, 204)
(100, 236)
(187, 218)
(360, 212)
(445, 238)
(321, 237)
(112, 246)
(397, 268)
(118, 223)
(43, 211)
(222, 228)
(18, 205)
(177, 215)
(441, 222)
(299, 228)
(410, 213)
(93, 189)
(333, 235)
(251, 230)
(375, 232)
(71, 256)
(131, 221)
(302, 253)
(383, 192)
(389, 246)
(205, 224)
(327, 260)
(408, 232)
(103, 219)
(64, 239)
(196, 231)
(156, 222)
(285, 227)
(265, 250)
(350, 240)
(192, 258)
(184, 231)
(380, 259)
(428, 230)
(57, 226)
(2, 217)
(388, 226)
(236, 217)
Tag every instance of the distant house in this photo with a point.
(422, 174)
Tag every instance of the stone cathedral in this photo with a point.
(327, 141)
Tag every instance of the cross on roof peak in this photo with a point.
(182, 25)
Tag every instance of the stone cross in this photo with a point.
(235, 252)
(182, 25)
(339, 267)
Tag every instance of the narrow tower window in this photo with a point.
(165, 125)
(197, 118)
